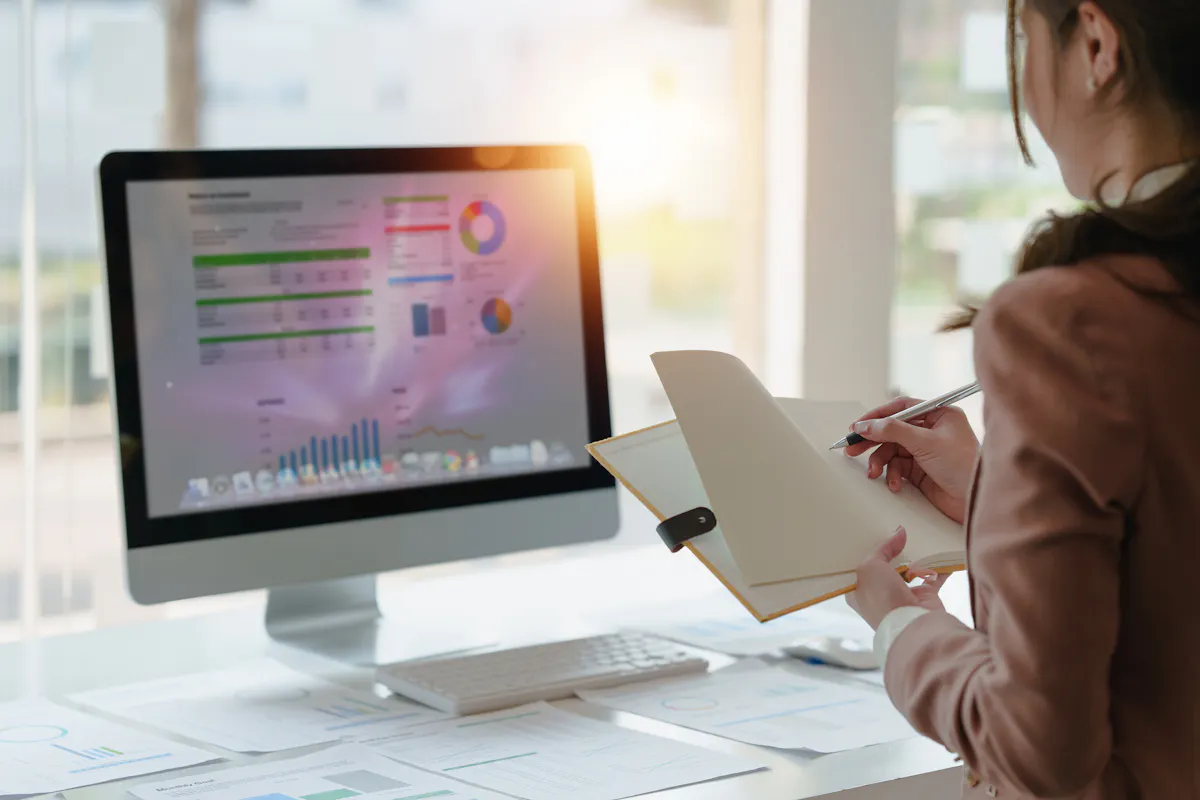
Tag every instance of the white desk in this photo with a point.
(645, 583)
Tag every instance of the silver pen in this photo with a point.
(948, 399)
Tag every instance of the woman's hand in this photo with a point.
(935, 453)
(881, 589)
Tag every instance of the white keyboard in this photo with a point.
(471, 684)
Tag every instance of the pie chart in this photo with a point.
(496, 316)
(469, 229)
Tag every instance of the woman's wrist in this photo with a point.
(890, 628)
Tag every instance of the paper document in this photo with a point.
(538, 752)
(339, 773)
(742, 636)
(656, 465)
(46, 748)
(765, 706)
(260, 707)
(764, 480)
(789, 508)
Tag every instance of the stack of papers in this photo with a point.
(260, 707)
(537, 752)
(765, 706)
(47, 748)
(340, 773)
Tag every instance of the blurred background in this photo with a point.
(671, 96)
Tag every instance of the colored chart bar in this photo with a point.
(417, 198)
(413, 279)
(335, 794)
(258, 337)
(420, 319)
(418, 229)
(280, 298)
(111, 751)
(74, 752)
(437, 321)
(285, 257)
(336, 454)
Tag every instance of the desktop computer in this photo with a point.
(332, 363)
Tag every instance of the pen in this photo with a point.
(948, 399)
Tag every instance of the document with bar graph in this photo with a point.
(340, 773)
(46, 748)
(261, 707)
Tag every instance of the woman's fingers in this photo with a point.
(898, 470)
(885, 410)
(894, 546)
(889, 408)
(880, 458)
(930, 586)
(856, 450)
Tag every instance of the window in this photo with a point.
(965, 199)
(650, 85)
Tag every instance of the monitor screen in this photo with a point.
(302, 338)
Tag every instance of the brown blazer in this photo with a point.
(1081, 678)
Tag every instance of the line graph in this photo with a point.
(440, 433)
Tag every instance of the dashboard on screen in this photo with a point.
(312, 336)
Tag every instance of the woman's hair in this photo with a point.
(1159, 61)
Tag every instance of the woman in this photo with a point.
(1082, 676)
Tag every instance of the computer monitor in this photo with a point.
(332, 363)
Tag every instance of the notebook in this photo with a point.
(794, 518)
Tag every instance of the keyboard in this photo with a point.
(472, 684)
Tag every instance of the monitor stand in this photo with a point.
(341, 620)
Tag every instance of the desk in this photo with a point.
(584, 584)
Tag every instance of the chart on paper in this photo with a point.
(261, 707)
(48, 748)
(766, 706)
(340, 773)
(537, 752)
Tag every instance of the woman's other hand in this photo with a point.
(935, 453)
(881, 589)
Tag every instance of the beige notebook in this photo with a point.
(793, 517)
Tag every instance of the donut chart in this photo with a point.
(496, 316)
(31, 734)
(466, 228)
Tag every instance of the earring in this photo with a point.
(1091, 84)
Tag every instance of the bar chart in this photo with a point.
(324, 457)
(428, 320)
(91, 754)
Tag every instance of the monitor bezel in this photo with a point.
(118, 169)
